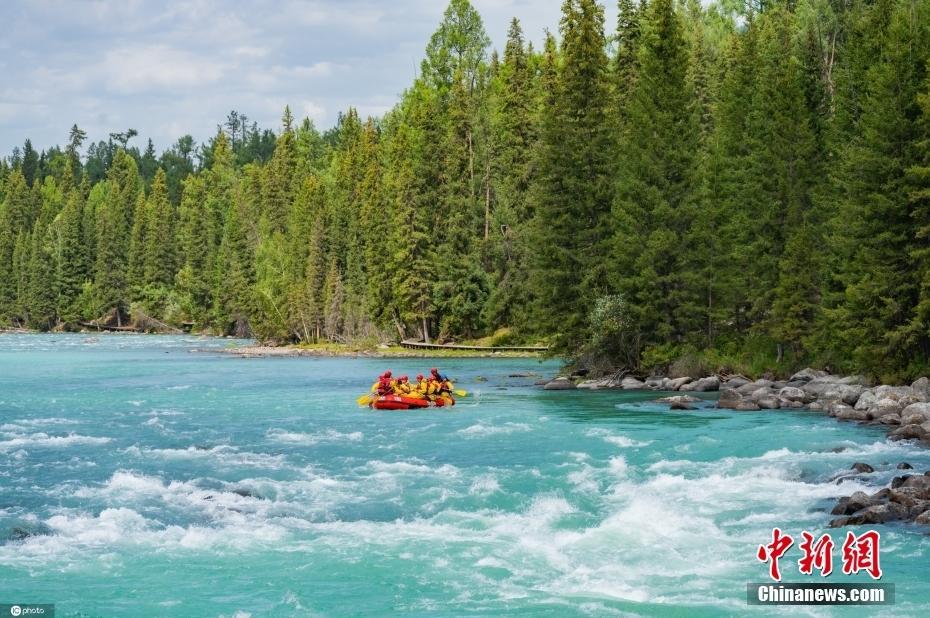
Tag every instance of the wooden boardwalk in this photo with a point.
(419, 345)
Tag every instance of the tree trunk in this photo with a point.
(425, 331)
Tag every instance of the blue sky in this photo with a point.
(171, 68)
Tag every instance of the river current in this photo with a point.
(139, 477)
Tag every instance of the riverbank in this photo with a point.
(333, 350)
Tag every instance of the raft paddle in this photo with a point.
(460, 392)
(364, 400)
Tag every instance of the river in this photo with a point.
(138, 477)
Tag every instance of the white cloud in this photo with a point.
(314, 111)
(130, 70)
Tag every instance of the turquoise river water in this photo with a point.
(141, 478)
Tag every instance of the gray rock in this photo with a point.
(923, 519)
(919, 482)
(793, 393)
(816, 405)
(654, 382)
(878, 514)
(681, 406)
(921, 387)
(885, 406)
(862, 468)
(830, 391)
(850, 504)
(904, 466)
(846, 413)
(678, 399)
(915, 414)
(905, 395)
(787, 403)
(907, 432)
(768, 403)
(806, 375)
(899, 481)
(890, 419)
(593, 384)
(751, 387)
(868, 399)
(746, 406)
(632, 384)
(761, 393)
(560, 384)
(736, 381)
(676, 383)
(907, 496)
(730, 398)
(704, 385)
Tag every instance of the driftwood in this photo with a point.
(439, 346)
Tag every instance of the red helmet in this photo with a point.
(387, 374)
(419, 376)
(434, 371)
(404, 378)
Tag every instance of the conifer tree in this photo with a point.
(655, 199)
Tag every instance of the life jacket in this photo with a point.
(385, 386)
(403, 388)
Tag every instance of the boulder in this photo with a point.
(678, 399)
(729, 397)
(915, 414)
(899, 481)
(654, 382)
(736, 381)
(904, 466)
(846, 413)
(890, 419)
(787, 403)
(560, 384)
(746, 406)
(675, 384)
(907, 432)
(632, 384)
(862, 468)
(850, 504)
(806, 375)
(921, 388)
(816, 405)
(792, 393)
(884, 407)
(868, 399)
(920, 483)
(923, 519)
(828, 391)
(905, 395)
(704, 385)
(878, 514)
(907, 496)
(768, 403)
(594, 384)
(751, 387)
(761, 393)
(882, 494)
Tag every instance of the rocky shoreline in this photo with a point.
(904, 410)
(268, 351)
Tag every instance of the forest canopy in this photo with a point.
(742, 185)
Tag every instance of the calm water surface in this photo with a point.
(161, 482)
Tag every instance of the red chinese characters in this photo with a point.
(860, 553)
(773, 551)
(817, 554)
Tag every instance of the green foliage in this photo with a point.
(732, 188)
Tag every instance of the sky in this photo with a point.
(168, 69)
